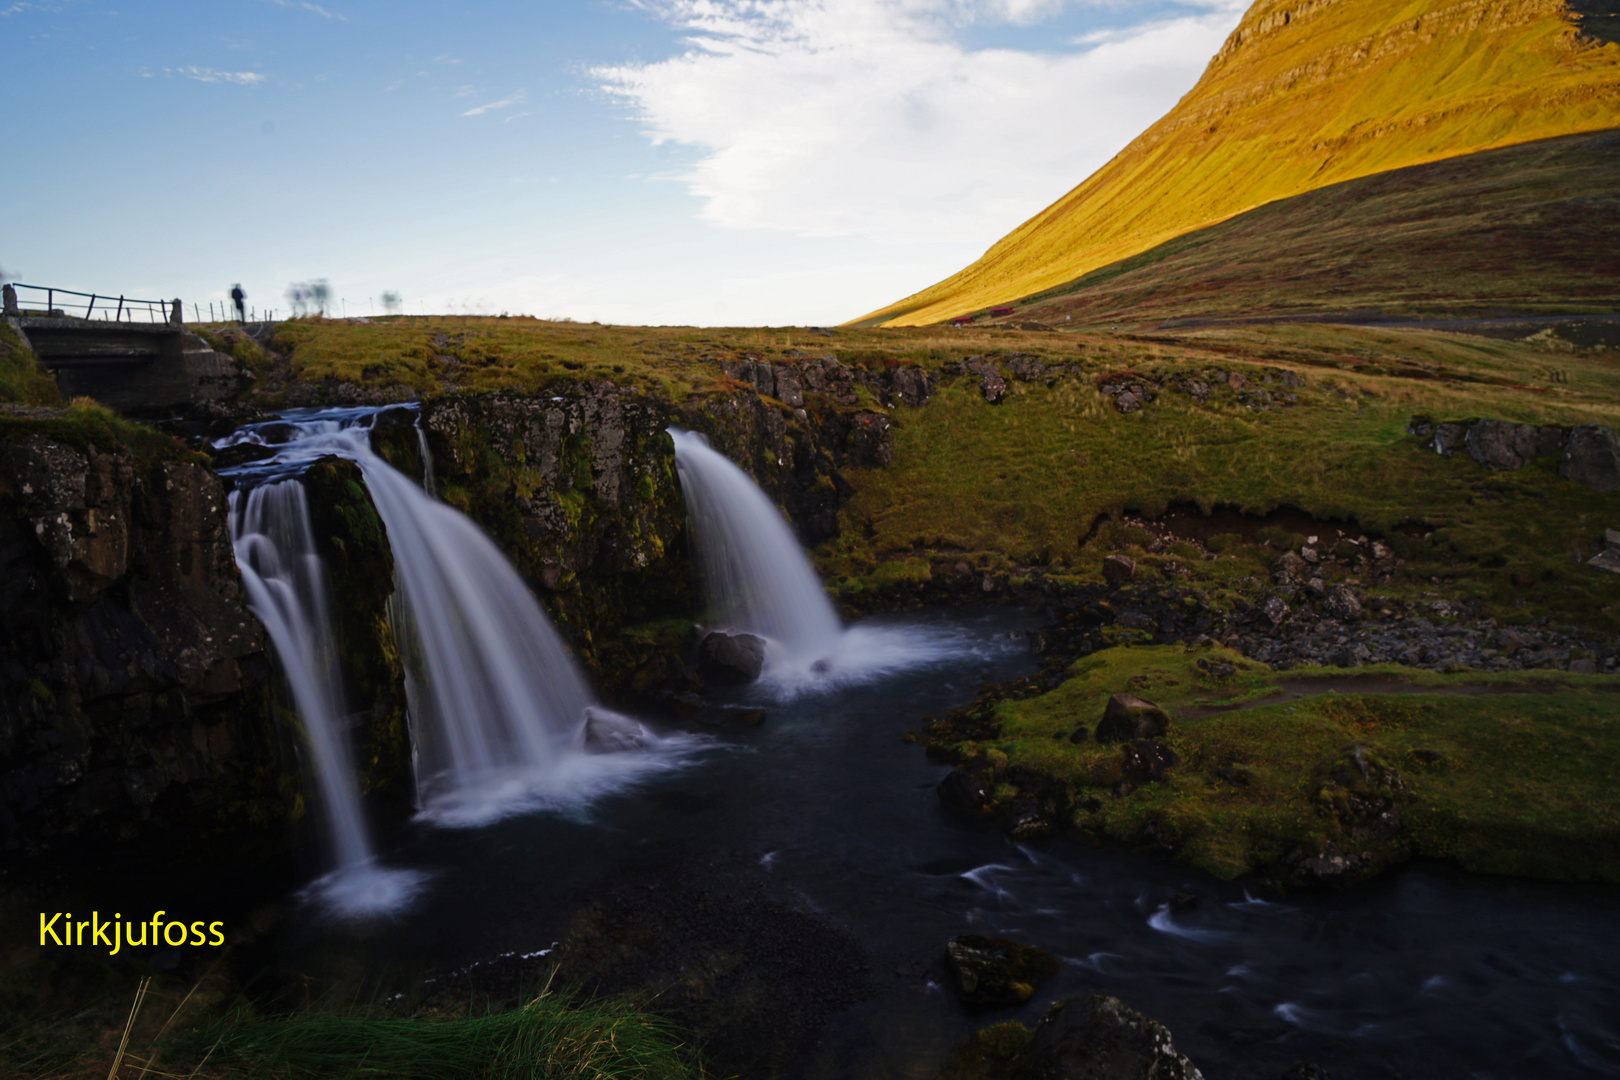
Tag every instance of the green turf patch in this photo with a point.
(1509, 773)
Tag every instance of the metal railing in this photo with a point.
(65, 303)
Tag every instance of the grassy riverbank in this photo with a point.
(1505, 774)
(169, 1027)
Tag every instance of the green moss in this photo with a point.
(88, 426)
(360, 571)
(993, 1053)
(1514, 777)
(22, 379)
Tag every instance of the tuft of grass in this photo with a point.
(549, 1038)
(22, 380)
(87, 425)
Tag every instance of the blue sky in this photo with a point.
(714, 162)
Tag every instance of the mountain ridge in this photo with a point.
(1303, 95)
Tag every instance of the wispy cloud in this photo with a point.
(305, 5)
(504, 103)
(871, 118)
(447, 59)
(209, 75)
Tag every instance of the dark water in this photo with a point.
(1430, 974)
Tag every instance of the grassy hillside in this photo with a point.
(1033, 482)
(1533, 228)
(1307, 93)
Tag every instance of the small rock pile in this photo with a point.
(1268, 390)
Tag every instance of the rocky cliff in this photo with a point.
(579, 485)
(132, 677)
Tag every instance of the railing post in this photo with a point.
(10, 296)
(177, 314)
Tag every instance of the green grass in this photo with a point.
(546, 1039)
(1515, 781)
(1022, 483)
(22, 380)
(87, 425)
(1016, 486)
(1521, 229)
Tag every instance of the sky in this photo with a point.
(701, 162)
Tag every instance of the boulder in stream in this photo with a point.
(731, 658)
(994, 973)
(1101, 1038)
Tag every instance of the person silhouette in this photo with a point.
(238, 296)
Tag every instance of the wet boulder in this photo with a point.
(1101, 1038)
(731, 658)
(1127, 718)
(966, 792)
(1592, 458)
(994, 973)
(1306, 1070)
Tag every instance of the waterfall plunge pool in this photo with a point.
(822, 809)
(822, 814)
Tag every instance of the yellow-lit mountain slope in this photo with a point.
(1307, 93)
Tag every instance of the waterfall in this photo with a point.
(286, 589)
(755, 575)
(501, 716)
(756, 579)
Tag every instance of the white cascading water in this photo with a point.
(500, 712)
(756, 576)
(286, 589)
(757, 580)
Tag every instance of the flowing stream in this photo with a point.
(1429, 973)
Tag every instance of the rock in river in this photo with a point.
(1101, 1038)
(731, 658)
(994, 973)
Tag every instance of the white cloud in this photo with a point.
(305, 5)
(871, 118)
(504, 103)
(209, 75)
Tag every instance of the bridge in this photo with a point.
(134, 355)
